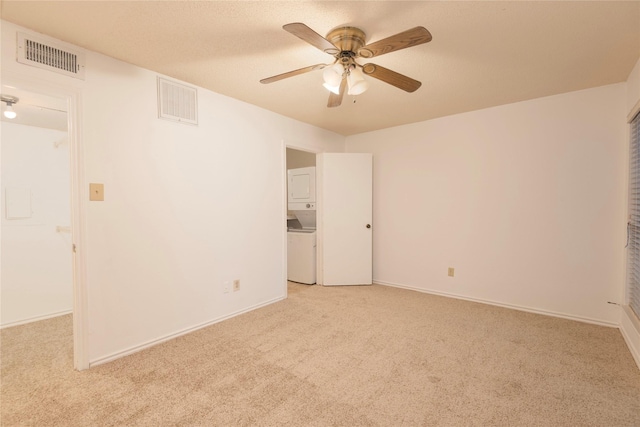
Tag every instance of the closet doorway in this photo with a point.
(42, 277)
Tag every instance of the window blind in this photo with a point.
(633, 227)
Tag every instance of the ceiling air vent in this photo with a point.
(177, 102)
(44, 54)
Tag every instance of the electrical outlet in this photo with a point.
(236, 285)
(451, 270)
(226, 287)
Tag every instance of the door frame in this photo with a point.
(299, 147)
(73, 97)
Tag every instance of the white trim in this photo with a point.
(630, 330)
(500, 304)
(160, 340)
(36, 319)
(320, 220)
(78, 232)
(285, 206)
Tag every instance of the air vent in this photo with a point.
(177, 102)
(43, 54)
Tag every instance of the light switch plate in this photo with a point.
(96, 192)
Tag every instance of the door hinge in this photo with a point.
(73, 248)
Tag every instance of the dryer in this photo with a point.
(301, 189)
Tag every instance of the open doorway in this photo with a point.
(37, 274)
(301, 235)
(342, 222)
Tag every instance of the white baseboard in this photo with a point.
(137, 348)
(630, 329)
(36, 319)
(500, 304)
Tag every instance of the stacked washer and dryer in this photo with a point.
(301, 242)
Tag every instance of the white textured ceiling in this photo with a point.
(483, 54)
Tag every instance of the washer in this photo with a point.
(301, 255)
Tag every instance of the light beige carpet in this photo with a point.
(344, 356)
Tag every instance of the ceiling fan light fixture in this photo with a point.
(334, 89)
(333, 75)
(9, 100)
(9, 113)
(356, 82)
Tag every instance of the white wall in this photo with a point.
(186, 207)
(526, 202)
(35, 279)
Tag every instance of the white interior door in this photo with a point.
(345, 195)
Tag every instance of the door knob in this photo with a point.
(368, 225)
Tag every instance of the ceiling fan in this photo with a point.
(346, 44)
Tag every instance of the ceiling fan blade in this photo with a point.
(336, 100)
(305, 33)
(292, 73)
(396, 79)
(412, 37)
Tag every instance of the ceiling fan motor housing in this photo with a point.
(350, 41)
